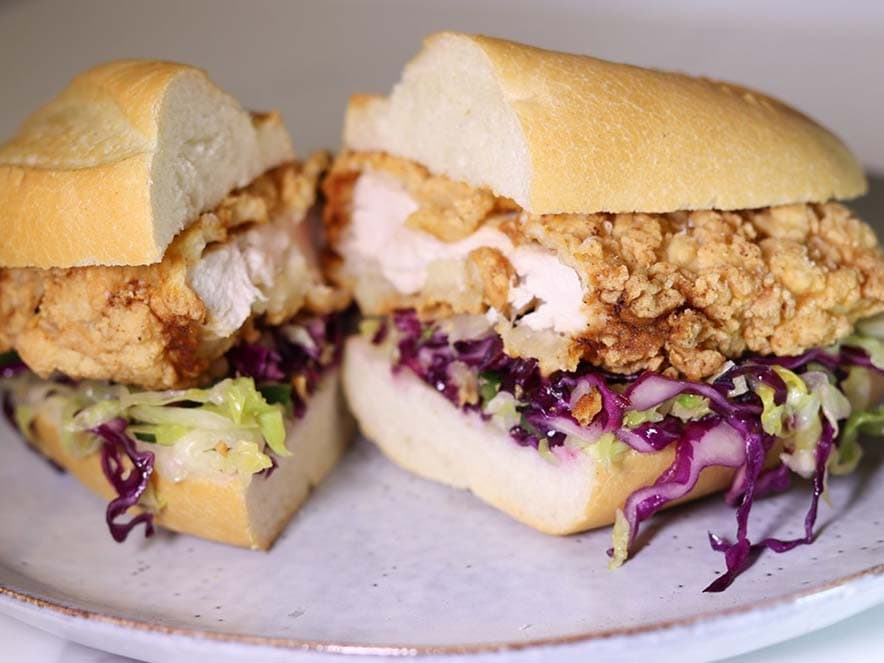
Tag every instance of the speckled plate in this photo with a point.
(380, 562)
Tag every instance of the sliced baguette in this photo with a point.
(250, 515)
(422, 432)
(562, 133)
(109, 171)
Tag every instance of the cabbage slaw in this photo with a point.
(235, 427)
(765, 417)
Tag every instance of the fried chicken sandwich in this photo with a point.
(593, 290)
(169, 338)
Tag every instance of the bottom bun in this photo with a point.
(226, 509)
(422, 432)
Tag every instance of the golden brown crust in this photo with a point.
(678, 292)
(496, 273)
(570, 133)
(143, 325)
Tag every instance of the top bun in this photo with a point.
(562, 133)
(131, 152)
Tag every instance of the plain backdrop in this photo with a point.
(305, 57)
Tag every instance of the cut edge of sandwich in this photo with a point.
(225, 509)
(419, 430)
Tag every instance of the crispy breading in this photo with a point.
(496, 273)
(679, 293)
(138, 325)
(587, 406)
(448, 210)
(145, 325)
(20, 293)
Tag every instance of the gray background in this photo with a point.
(306, 57)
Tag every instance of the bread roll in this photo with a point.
(562, 133)
(131, 152)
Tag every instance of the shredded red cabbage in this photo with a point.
(130, 486)
(279, 356)
(729, 435)
(737, 555)
(256, 361)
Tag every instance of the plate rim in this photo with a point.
(326, 647)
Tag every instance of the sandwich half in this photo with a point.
(591, 290)
(168, 335)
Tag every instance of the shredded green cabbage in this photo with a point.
(857, 387)
(545, 452)
(223, 428)
(489, 386)
(873, 326)
(607, 449)
(369, 327)
(835, 405)
(849, 452)
(24, 419)
(797, 421)
(162, 434)
(634, 418)
(772, 414)
(228, 408)
(689, 407)
(502, 410)
(620, 537)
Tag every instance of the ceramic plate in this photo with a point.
(381, 562)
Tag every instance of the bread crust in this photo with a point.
(107, 172)
(249, 515)
(594, 136)
(422, 432)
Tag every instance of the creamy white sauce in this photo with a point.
(381, 206)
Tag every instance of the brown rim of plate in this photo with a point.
(412, 650)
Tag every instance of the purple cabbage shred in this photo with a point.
(278, 357)
(129, 485)
(730, 435)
